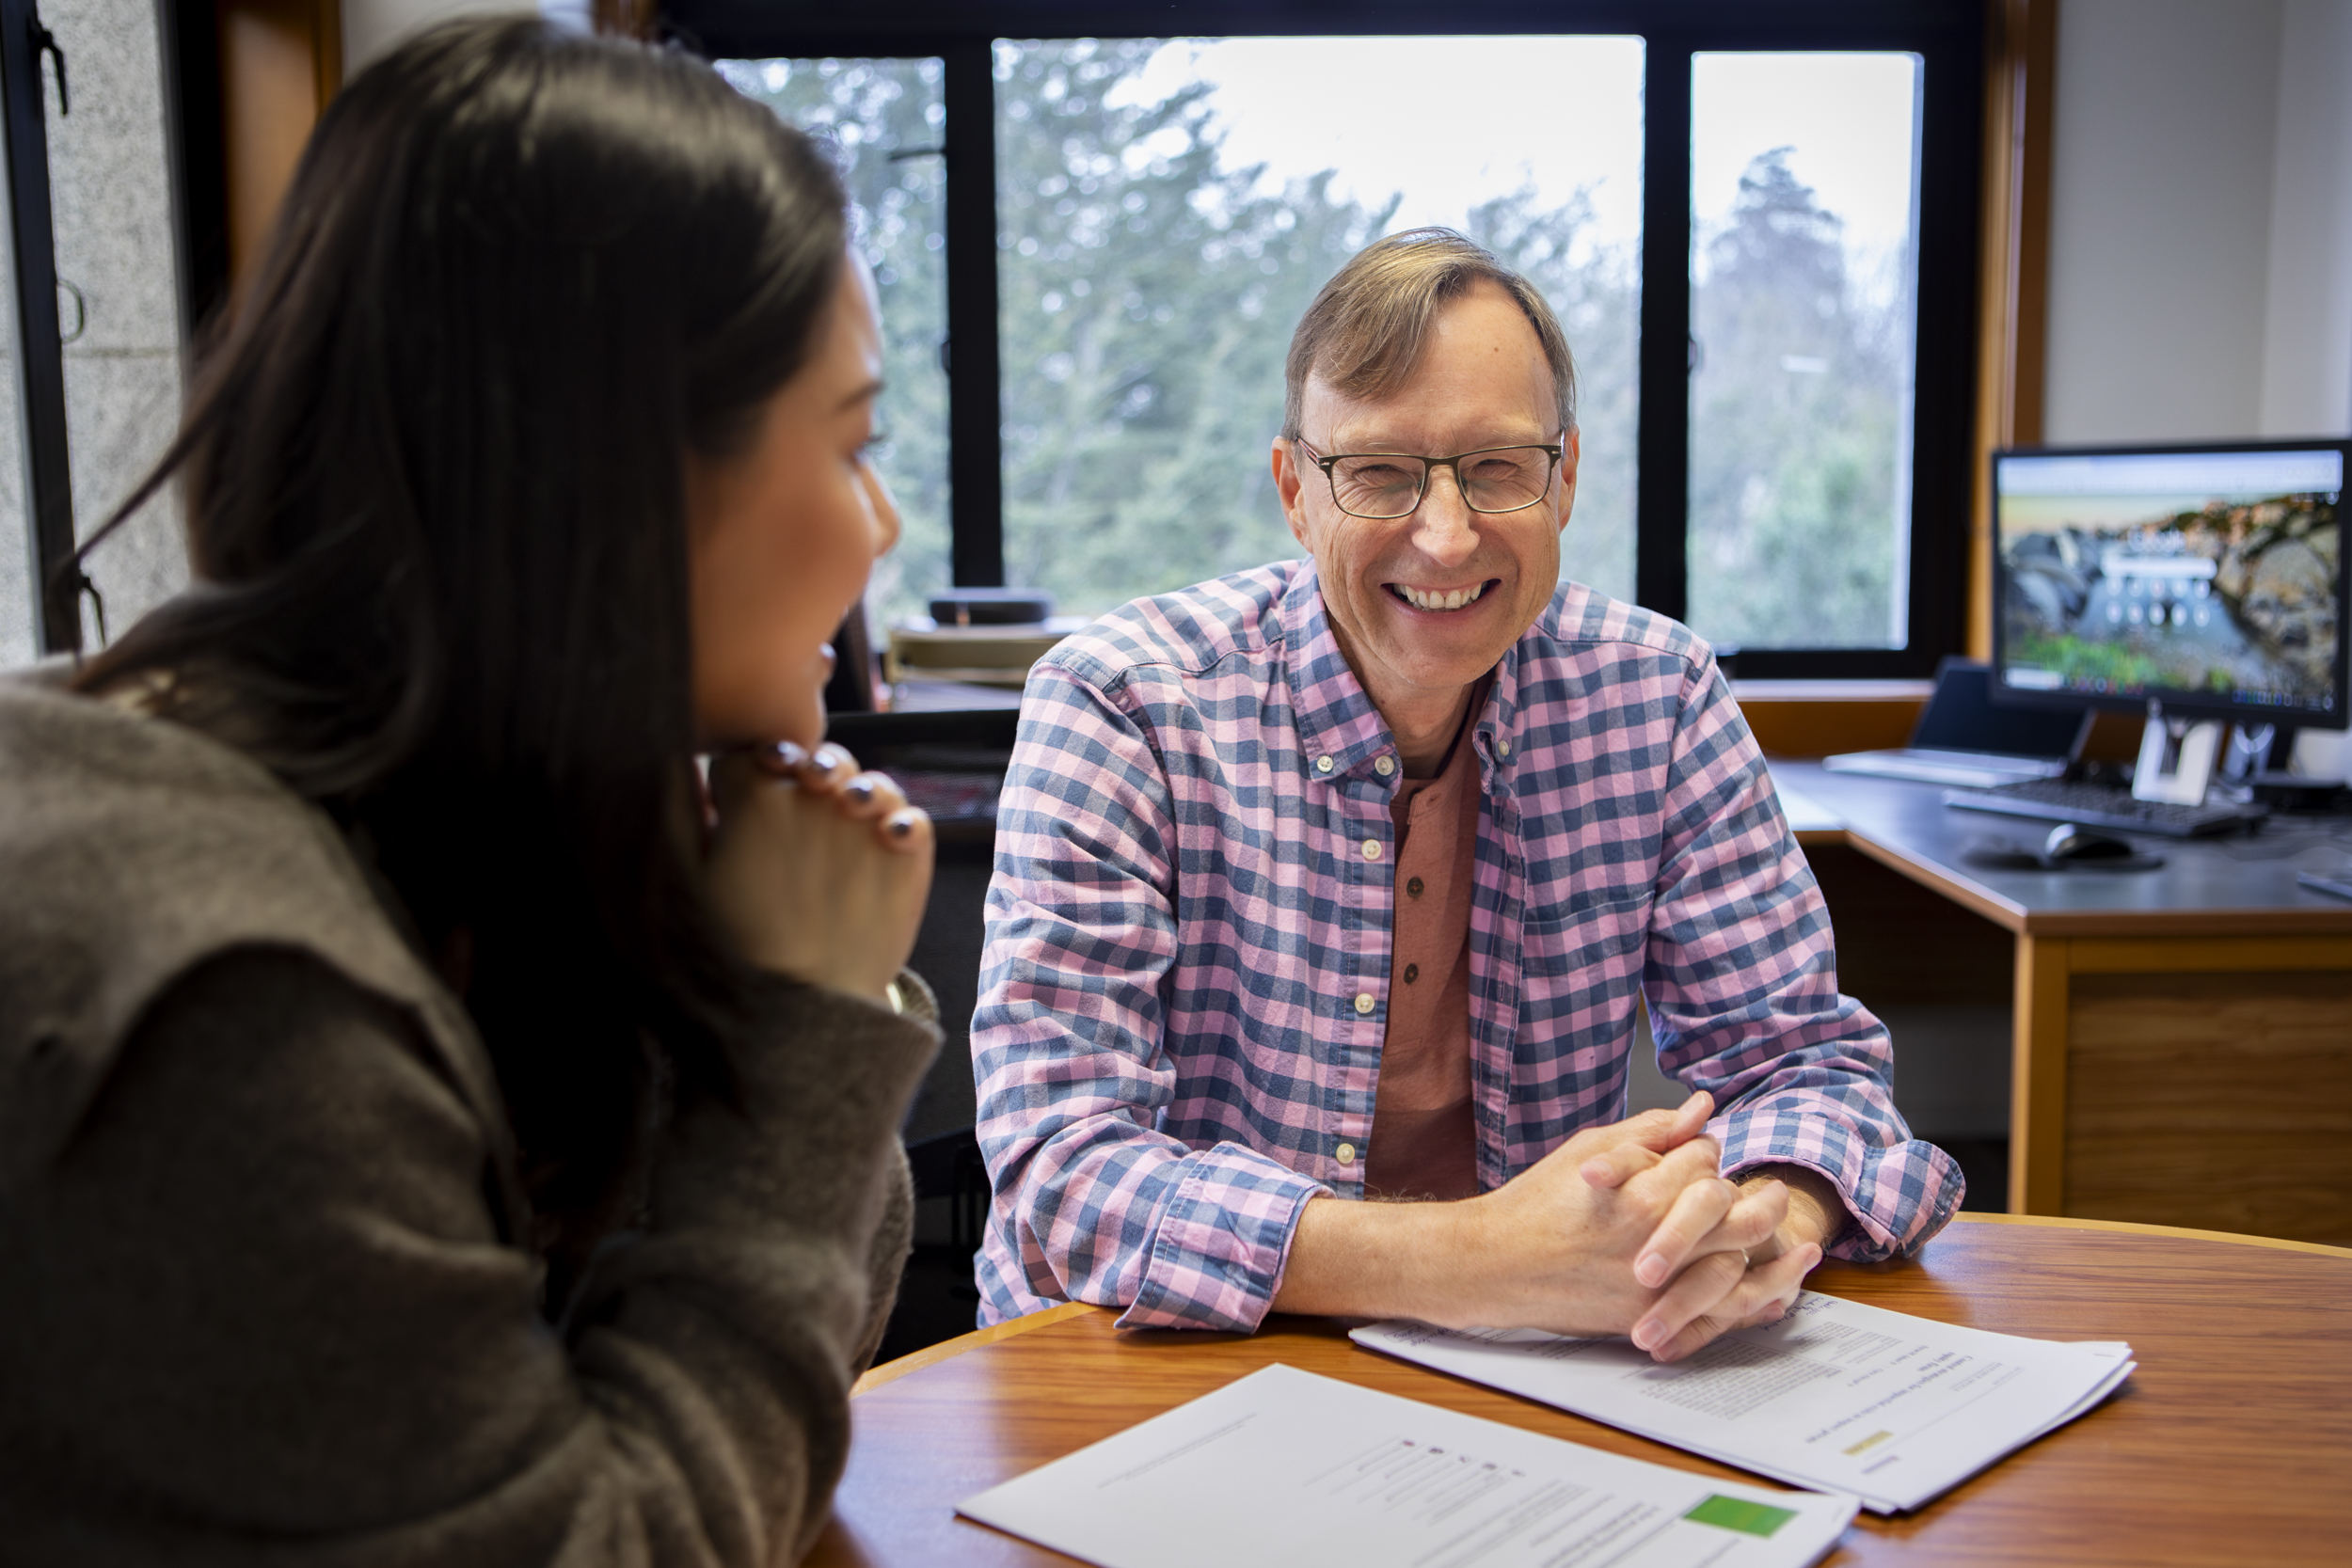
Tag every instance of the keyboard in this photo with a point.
(2103, 806)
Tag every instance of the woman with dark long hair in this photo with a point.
(437, 1126)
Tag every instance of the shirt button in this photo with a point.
(1323, 765)
(1372, 848)
(1413, 886)
(1412, 972)
(1364, 1002)
(1345, 1154)
(1384, 765)
(1502, 748)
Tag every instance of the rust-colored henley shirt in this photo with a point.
(1425, 1140)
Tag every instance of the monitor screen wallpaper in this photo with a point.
(2214, 578)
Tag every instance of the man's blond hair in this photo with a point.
(1364, 334)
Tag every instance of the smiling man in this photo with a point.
(1344, 879)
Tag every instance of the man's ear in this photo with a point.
(1571, 448)
(1288, 483)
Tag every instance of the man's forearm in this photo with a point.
(1354, 1259)
(1816, 1210)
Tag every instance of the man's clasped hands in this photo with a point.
(1623, 1230)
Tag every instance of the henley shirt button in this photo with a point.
(1372, 848)
(1384, 765)
(1412, 886)
(1364, 1002)
(1345, 1154)
(1412, 972)
(1502, 748)
(1323, 765)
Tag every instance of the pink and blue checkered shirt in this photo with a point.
(1186, 977)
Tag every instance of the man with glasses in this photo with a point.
(1344, 879)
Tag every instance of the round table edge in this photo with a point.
(930, 1355)
(2136, 1227)
(915, 1361)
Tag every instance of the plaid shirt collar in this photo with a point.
(1335, 716)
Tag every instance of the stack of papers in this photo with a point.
(1892, 1408)
(1285, 1468)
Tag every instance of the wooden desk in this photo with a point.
(2182, 1046)
(2232, 1443)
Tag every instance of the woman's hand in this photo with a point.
(817, 870)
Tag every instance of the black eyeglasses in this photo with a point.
(1382, 485)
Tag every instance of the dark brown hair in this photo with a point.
(1364, 333)
(434, 484)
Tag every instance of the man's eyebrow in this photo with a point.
(871, 390)
(1383, 442)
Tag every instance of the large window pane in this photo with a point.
(1805, 192)
(1169, 207)
(886, 121)
(110, 194)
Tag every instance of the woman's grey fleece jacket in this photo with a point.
(262, 1294)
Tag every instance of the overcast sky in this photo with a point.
(1452, 121)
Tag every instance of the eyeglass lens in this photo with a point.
(1384, 485)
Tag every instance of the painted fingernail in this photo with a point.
(899, 824)
(830, 758)
(860, 790)
(783, 757)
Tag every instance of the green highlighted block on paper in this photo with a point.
(1746, 1517)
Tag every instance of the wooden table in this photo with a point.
(2181, 1040)
(2232, 1443)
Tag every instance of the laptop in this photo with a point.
(1962, 740)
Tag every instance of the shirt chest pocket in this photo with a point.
(1582, 948)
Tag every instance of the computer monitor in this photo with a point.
(2210, 579)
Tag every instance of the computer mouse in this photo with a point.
(1996, 854)
(2069, 842)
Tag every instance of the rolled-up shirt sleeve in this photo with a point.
(1741, 982)
(1093, 1201)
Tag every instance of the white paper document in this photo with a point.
(1283, 1467)
(1892, 1408)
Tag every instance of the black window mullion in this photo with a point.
(1662, 485)
(975, 455)
(48, 475)
(188, 37)
(1943, 458)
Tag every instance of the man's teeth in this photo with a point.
(1454, 600)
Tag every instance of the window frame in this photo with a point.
(1948, 36)
(48, 480)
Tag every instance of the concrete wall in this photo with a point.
(112, 207)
